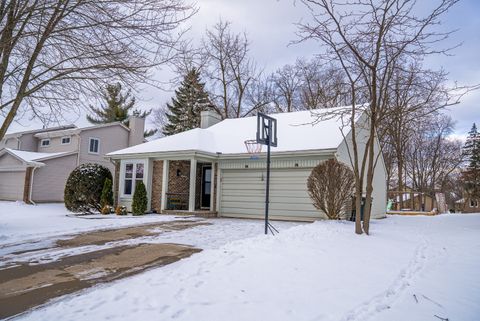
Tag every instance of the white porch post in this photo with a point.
(166, 165)
(212, 186)
(191, 194)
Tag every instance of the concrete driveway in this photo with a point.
(31, 278)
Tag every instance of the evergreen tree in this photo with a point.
(140, 200)
(118, 106)
(107, 193)
(190, 100)
(472, 154)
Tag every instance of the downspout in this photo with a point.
(79, 148)
(31, 186)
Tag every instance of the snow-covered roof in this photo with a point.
(297, 131)
(34, 157)
(73, 131)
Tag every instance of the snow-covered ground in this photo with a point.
(20, 222)
(410, 268)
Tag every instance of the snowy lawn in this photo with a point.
(319, 271)
(20, 222)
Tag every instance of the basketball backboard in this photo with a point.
(266, 130)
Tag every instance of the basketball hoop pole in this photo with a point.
(267, 192)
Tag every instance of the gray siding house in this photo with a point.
(34, 165)
(208, 171)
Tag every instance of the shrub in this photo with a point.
(107, 193)
(121, 210)
(139, 204)
(330, 186)
(107, 209)
(84, 187)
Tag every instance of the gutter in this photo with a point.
(218, 156)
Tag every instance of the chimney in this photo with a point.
(209, 118)
(137, 127)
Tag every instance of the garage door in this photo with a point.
(243, 194)
(11, 185)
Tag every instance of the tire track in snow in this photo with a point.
(384, 300)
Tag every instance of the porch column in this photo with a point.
(163, 203)
(212, 186)
(191, 194)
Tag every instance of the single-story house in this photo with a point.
(208, 169)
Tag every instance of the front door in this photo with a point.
(206, 186)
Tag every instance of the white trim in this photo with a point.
(219, 189)
(12, 168)
(166, 165)
(64, 137)
(123, 164)
(192, 181)
(89, 142)
(45, 140)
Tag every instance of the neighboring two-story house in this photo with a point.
(34, 165)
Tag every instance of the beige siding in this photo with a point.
(29, 142)
(112, 138)
(11, 185)
(380, 176)
(243, 194)
(49, 180)
(7, 160)
(11, 142)
(56, 145)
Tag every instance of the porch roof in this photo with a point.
(297, 131)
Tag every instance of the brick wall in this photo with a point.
(157, 185)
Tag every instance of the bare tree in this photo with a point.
(368, 39)
(285, 84)
(229, 72)
(432, 157)
(56, 54)
(330, 186)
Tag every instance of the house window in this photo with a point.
(133, 174)
(473, 203)
(94, 146)
(65, 140)
(45, 142)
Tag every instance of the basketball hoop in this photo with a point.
(253, 148)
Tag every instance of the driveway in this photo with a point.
(31, 278)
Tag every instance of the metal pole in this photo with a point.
(267, 192)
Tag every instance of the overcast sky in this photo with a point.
(270, 27)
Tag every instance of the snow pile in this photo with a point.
(320, 271)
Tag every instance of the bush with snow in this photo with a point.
(84, 187)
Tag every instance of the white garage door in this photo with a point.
(11, 185)
(243, 194)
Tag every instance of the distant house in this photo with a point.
(467, 205)
(208, 170)
(411, 200)
(34, 165)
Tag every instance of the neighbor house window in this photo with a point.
(94, 146)
(65, 140)
(473, 203)
(133, 174)
(45, 142)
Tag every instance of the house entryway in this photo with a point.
(206, 190)
(188, 187)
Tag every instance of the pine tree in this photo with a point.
(190, 100)
(140, 200)
(118, 106)
(471, 152)
(107, 193)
